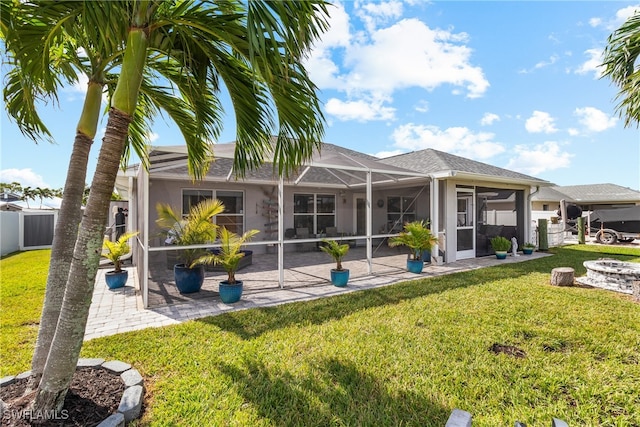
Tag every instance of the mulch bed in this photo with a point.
(94, 394)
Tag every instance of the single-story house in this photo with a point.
(342, 193)
(587, 197)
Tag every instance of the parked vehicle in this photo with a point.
(616, 225)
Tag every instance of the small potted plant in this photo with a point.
(114, 251)
(528, 248)
(501, 246)
(418, 238)
(337, 251)
(197, 228)
(228, 256)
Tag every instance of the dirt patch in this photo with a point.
(507, 349)
(94, 394)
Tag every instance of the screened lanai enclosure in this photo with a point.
(340, 194)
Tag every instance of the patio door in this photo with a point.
(465, 224)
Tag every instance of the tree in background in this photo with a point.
(255, 49)
(621, 66)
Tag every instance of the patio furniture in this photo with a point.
(303, 233)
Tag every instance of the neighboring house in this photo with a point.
(340, 192)
(588, 197)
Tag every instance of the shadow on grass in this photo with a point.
(332, 393)
(252, 323)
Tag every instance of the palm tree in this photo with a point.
(48, 44)
(256, 49)
(621, 66)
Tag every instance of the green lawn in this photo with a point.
(401, 355)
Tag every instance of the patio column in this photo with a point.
(434, 209)
(369, 227)
(145, 226)
(281, 232)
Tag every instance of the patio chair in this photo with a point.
(303, 233)
(332, 231)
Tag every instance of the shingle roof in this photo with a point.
(592, 193)
(434, 161)
(551, 194)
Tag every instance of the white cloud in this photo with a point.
(595, 120)
(384, 154)
(573, 131)
(540, 122)
(26, 177)
(489, 119)
(422, 106)
(406, 54)
(541, 158)
(152, 137)
(552, 60)
(410, 54)
(592, 64)
(614, 23)
(375, 13)
(456, 140)
(595, 22)
(361, 110)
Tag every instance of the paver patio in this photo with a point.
(306, 278)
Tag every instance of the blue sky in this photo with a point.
(512, 84)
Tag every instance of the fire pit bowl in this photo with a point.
(611, 274)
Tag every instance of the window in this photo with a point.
(233, 216)
(193, 197)
(315, 212)
(545, 207)
(399, 211)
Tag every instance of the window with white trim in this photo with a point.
(314, 211)
(400, 210)
(192, 197)
(233, 216)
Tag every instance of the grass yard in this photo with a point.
(402, 355)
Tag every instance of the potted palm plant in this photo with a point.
(417, 236)
(228, 256)
(337, 251)
(197, 228)
(528, 248)
(500, 246)
(114, 251)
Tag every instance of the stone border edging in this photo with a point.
(131, 401)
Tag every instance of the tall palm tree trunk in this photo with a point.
(67, 341)
(66, 230)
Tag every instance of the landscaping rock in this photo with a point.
(131, 402)
(7, 380)
(131, 377)
(23, 375)
(115, 420)
(89, 363)
(459, 418)
(116, 366)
